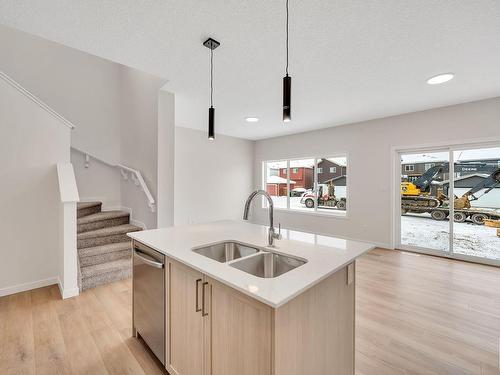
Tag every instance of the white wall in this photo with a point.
(98, 182)
(370, 168)
(212, 178)
(81, 87)
(139, 139)
(114, 107)
(166, 159)
(31, 143)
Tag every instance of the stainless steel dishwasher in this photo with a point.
(148, 297)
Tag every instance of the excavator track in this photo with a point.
(419, 202)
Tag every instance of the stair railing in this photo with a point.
(136, 176)
(124, 170)
(36, 100)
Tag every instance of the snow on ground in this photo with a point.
(470, 239)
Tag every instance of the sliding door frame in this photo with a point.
(396, 186)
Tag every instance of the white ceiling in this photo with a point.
(350, 60)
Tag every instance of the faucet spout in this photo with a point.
(272, 234)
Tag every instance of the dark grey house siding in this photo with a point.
(326, 175)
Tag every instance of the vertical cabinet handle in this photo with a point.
(203, 313)
(197, 288)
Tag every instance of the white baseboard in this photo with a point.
(137, 223)
(28, 286)
(68, 293)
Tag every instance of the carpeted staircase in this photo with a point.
(104, 250)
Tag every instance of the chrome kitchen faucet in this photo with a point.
(271, 235)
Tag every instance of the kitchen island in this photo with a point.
(233, 305)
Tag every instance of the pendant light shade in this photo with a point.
(287, 91)
(211, 128)
(287, 82)
(211, 44)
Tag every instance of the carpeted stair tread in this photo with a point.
(83, 205)
(106, 278)
(105, 273)
(103, 215)
(104, 249)
(99, 269)
(110, 231)
(88, 208)
(102, 219)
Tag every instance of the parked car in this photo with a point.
(323, 199)
(297, 192)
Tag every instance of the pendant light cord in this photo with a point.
(287, 37)
(211, 77)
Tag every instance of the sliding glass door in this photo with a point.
(476, 186)
(424, 217)
(450, 203)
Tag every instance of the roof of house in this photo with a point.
(340, 161)
(483, 154)
(278, 180)
(334, 179)
(446, 182)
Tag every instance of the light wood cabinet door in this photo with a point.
(238, 333)
(185, 341)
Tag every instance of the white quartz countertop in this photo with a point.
(325, 256)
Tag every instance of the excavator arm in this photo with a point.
(489, 183)
(424, 181)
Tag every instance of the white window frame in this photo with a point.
(407, 168)
(315, 211)
(320, 169)
(333, 169)
(449, 148)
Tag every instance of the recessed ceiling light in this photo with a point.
(251, 119)
(440, 78)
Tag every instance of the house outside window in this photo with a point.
(316, 185)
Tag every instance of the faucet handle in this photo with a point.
(278, 236)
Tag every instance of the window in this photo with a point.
(409, 168)
(305, 188)
(428, 166)
(276, 182)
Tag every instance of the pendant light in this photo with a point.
(211, 44)
(287, 81)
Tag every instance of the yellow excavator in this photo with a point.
(416, 195)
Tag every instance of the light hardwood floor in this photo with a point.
(415, 315)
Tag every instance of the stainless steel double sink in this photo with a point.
(252, 260)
